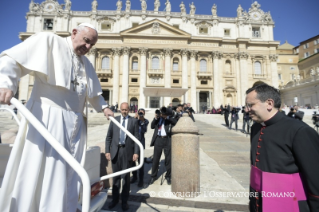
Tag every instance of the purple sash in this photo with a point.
(280, 192)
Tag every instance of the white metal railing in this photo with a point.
(13, 114)
(67, 156)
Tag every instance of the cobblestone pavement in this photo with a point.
(224, 167)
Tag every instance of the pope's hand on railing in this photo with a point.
(107, 112)
(108, 156)
(135, 157)
(5, 96)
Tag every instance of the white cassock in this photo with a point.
(36, 177)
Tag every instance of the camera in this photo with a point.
(315, 119)
(158, 112)
(141, 114)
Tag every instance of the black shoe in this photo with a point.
(113, 204)
(152, 180)
(125, 206)
(168, 180)
(140, 184)
(134, 179)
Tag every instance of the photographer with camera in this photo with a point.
(234, 117)
(246, 121)
(161, 140)
(315, 120)
(142, 129)
(296, 113)
(188, 109)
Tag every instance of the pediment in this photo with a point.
(155, 28)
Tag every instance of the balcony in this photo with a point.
(204, 74)
(104, 72)
(155, 72)
(259, 76)
(229, 75)
(176, 73)
(134, 71)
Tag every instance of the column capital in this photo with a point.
(116, 51)
(217, 54)
(167, 51)
(92, 51)
(193, 53)
(184, 52)
(126, 50)
(273, 57)
(143, 51)
(241, 55)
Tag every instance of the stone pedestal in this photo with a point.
(185, 157)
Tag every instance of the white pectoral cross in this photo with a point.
(75, 83)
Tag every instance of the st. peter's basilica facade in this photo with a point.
(153, 58)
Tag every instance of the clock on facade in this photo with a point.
(255, 15)
(49, 7)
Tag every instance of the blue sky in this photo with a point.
(295, 20)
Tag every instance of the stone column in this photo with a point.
(116, 74)
(184, 53)
(237, 71)
(110, 97)
(217, 97)
(167, 81)
(126, 53)
(193, 79)
(197, 102)
(243, 56)
(185, 157)
(210, 100)
(274, 70)
(92, 55)
(141, 102)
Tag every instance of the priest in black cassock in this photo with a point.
(284, 156)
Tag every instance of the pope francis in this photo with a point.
(38, 179)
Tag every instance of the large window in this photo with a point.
(256, 32)
(155, 63)
(175, 64)
(306, 54)
(306, 46)
(257, 68)
(48, 24)
(105, 63)
(228, 67)
(134, 63)
(203, 65)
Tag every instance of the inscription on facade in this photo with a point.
(204, 44)
(229, 46)
(109, 41)
(154, 41)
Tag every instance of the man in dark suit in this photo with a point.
(162, 123)
(122, 151)
(226, 115)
